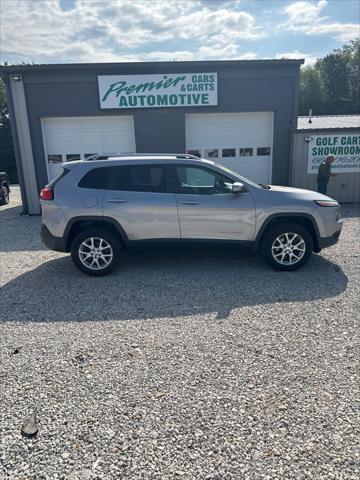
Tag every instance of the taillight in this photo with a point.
(47, 194)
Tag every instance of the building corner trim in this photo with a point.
(25, 152)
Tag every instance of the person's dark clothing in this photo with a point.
(322, 186)
(323, 176)
(324, 172)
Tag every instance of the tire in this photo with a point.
(4, 195)
(91, 250)
(278, 246)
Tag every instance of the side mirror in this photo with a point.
(238, 187)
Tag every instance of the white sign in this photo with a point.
(345, 148)
(163, 90)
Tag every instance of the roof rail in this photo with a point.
(106, 156)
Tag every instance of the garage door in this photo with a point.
(75, 138)
(239, 141)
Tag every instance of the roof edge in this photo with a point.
(327, 116)
(324, 129)
(69, 66)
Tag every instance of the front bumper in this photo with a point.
(52, 242)
(325, 242)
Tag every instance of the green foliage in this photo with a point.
(7, 155)
(312, 92)
(332, 85)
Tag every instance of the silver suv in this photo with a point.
(99, 208)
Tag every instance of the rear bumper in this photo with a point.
(325, 242)
(52, 242)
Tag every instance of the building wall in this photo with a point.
(242, 88)
(345, 187)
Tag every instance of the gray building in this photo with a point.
(238, 113)
(314, 139)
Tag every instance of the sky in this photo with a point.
(82, 31)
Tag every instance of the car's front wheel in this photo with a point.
(287, 247)
(96, 251)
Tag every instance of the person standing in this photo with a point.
(324, 173)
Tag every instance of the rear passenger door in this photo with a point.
(137, 198)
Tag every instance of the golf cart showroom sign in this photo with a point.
(345, 148)
(164, 90)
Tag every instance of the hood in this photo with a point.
(299, 192)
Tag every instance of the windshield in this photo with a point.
(243, 179)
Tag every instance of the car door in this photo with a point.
(136, 197)
(207, 207)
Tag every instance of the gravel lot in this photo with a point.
(178, 366)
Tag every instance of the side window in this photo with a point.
(201, 181)
(139, 178)
(97, 178)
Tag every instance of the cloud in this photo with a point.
(304, 13)
(295, 55)
(304, 17)
(120, 30)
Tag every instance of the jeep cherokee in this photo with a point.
(98, 208)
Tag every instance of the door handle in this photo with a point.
(116, 200)
(190, 203)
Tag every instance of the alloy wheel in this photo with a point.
(95, 253)
(288, 248)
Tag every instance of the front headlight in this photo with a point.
(327, 203)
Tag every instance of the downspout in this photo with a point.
(294, 125)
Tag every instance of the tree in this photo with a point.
(7, 155)
(352, 54)
(312, 91)
(332, 85)
(334, 74)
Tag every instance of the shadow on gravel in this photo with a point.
(20, 233)
(11, 212)
(164, 285)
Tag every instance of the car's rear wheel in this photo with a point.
(287, 247)
(96, 251)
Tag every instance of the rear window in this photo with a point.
(58, 177)
(97, 178)
(138, 178)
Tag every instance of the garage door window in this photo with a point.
(261, 151)
(246, 152)
(228, 152)
(55, 158)
(211, 153)
(196, 153)
(72, 157)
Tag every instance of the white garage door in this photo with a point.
(239, 141)
(74, 138)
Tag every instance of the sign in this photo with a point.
(163, 90)
(345, 148)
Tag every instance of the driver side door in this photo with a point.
(207, 208)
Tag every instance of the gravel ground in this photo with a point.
(178, 366)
